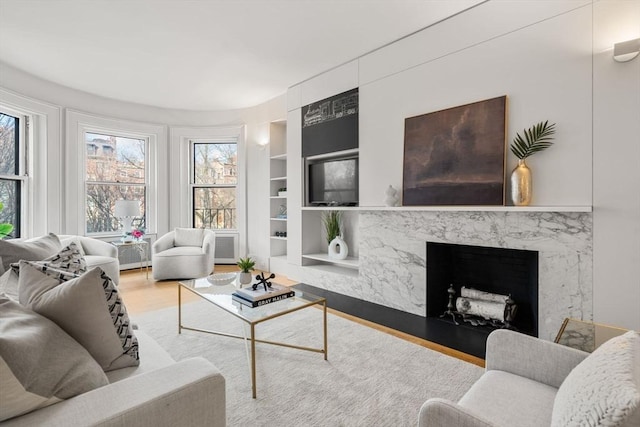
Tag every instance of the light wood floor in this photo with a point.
(141, 295)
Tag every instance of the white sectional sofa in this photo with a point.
(70, 356)
(158, 392)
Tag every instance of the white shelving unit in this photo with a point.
(278, 181)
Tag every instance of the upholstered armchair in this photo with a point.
(97, 253)
(184, 253)
(533, 382)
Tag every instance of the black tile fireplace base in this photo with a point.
(465, 338)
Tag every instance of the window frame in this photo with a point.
(193, 186)
(74, 210)
(22, 177)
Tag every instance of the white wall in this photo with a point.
(22, 90)
(547, 58)
(616, 167)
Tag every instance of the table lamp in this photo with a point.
(126, 211)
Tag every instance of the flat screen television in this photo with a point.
(333, 182)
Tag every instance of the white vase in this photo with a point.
(244, 278)
(338, 248)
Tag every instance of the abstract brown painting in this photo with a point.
(456, 156)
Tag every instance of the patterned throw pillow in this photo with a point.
(87, 307)
(69, 259)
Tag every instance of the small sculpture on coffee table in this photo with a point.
(264, 281)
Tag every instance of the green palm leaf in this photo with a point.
(536, 138)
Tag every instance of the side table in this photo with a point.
(585, 336)
(141, 247)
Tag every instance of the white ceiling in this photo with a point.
(201, 54)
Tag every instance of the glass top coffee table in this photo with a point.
(220, 297)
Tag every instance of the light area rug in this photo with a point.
(370, 378)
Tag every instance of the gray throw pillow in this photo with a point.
(87, 307)
(38, 249)
(40, 364)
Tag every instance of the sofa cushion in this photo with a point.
(188, 237)
(87, 307)
(506, 399)
(40, 364)
(604, 389)
(15, 250)
(64, 241)
(188, 251)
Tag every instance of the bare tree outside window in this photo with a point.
(115, 170)
(214, 185)
(10, 179)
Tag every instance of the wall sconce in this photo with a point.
(626, 51)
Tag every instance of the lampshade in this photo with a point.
(127, 208)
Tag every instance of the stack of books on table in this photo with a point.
(251, 298)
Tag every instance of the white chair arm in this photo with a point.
(542, 361)
(92, 246)
(444, 413)
(98, 247)
(163, 243)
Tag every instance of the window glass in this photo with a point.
(12, 182)
(215, 178)
(9, 145)
(214, 208)
(115, 170)
(215, 163)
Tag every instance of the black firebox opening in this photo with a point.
(497, 270)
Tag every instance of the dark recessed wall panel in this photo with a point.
(330, 125)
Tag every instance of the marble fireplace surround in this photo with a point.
(392, 254)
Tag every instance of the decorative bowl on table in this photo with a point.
(221, 279)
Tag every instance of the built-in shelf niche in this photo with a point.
(277, 181)
(314, 244)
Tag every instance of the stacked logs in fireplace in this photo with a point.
(481, 308)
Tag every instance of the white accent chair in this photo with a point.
(184, 253)
(531, 382)
(97, 253)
